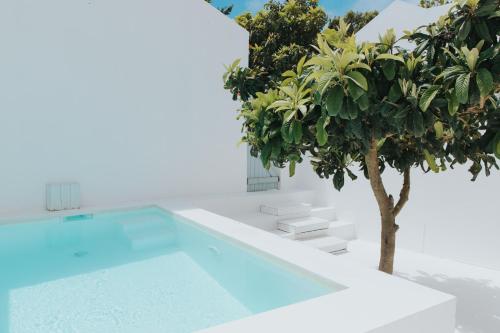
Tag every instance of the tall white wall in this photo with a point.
(123, 96)
(447, 215)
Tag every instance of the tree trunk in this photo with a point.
(388, 211)
(387, 244)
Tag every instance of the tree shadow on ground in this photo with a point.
(478, 300)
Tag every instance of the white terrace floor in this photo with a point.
(477, 289)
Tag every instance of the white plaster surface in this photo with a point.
(477, 289)
(123, 96)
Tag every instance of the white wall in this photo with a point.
(447, 215)
(400, 16)
(123, 96)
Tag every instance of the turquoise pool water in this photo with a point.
(134, 271)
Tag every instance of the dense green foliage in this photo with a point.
(433, 107)
(280, 35)
(433, 3)
(355, 20)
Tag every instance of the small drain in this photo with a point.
(80, 254)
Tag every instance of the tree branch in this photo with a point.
(371, 160)
(404, 194)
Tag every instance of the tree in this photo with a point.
(433, 3)
(224, 10)
(377, 106)
(355, 20)
(280, 34)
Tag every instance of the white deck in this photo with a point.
(477, 289)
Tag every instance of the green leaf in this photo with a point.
(265, 154)
(438, 127)
(285, 133)
(497, 150)
(462, 88)
(471, 58)
(416, 123)
(300, 65)
(464, 30)
(289, 115)
(427, 97)
(395, 92)
(276, 149)
(452, 103)
(317, 98)
(297, 131)
(321, 134)
(292, 168)
(359, 79)
(334, 101)
(354, 90)
(389, 68)
(388, 56)
(431, 160)
(338, 180)
(484, 81)
(496, 145)
(350, 110)
(289, 74)
(482, 30)
(363, 102)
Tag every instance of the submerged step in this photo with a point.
(152, 240)
(327, 244)
(286, 209)
(301, 225)
(140, 223)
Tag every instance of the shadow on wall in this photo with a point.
(478, 308)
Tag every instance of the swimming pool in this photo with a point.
(141, 270)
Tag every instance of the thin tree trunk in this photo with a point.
(388, 211)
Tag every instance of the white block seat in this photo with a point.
(302, 225)
(328, 244)
(324, 212)
(342, 229)
(286, 210)
(302, 235)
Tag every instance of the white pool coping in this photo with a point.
(371, 301)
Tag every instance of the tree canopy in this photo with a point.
(375, 106)
(280, 35)
(355, 20)
(433, 3)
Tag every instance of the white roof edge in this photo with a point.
(400, 15)
(216, 11)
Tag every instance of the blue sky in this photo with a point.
(333, 7)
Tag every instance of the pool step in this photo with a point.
(303, 225)
(328, 213)
(152, 240)
(148, 233)
(329, 244)
(343, 230)
(302, 235)
(286, 210)
(340, 229)
(139, 223)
